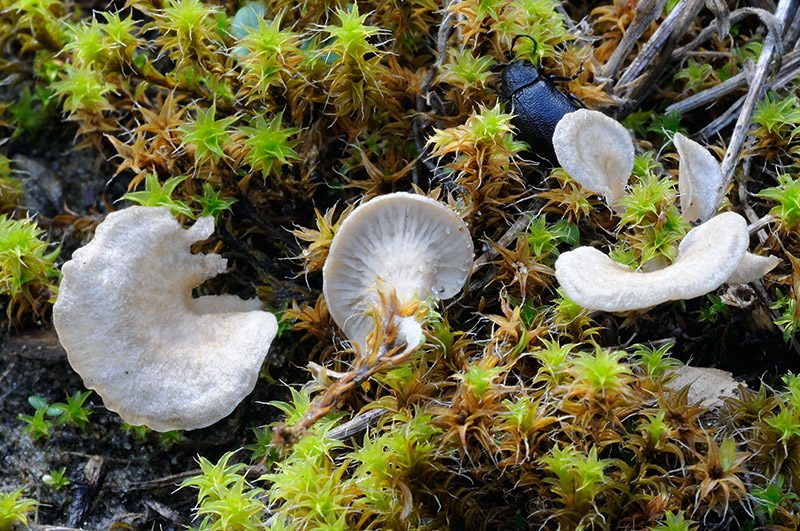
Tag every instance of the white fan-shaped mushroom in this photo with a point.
(707, 257)
(596, 151)
(699, 180)
(126, 317)
(411, 242)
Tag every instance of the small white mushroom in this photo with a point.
(752, 267)
(699, 180)
(596, 151)
(126, 317)
(414, 244)
(707, 257)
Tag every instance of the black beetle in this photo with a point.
(536, 103)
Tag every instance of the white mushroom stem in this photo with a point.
(126, 317)
(596, 151)
(708, 256)
(410, 331)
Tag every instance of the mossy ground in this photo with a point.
(521, 410)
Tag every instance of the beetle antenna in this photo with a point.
(535, 44)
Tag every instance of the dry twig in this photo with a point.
(639, 78)
(772, 44)
(646, 13)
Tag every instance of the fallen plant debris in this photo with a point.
(495, 400)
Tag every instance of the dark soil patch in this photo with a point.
(139, 476)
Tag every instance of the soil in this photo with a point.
(138, 477)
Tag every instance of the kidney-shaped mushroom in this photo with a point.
(413, 243)
(126, 317)
(710, 254)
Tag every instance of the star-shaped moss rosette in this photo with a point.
(597, 152)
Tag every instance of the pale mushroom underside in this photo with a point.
(415, 244)
(596, 151)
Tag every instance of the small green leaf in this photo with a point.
(37, 401)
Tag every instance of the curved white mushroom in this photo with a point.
(596, 151)
(708, 256)
(411, 242)
(126, 317)
(699, 180)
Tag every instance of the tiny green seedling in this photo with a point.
(666, 125)
(771, 499)
(792, 391)
(787, 194)
(224, 499)
(26, 265)
(269, 145)
(212, 202)
(777, 116)
(56, 479)
(156, 194)
(713, 309)
(465, 71)
(262, 448)
(138, 432)
(37, 426)
(675, 522)
(208, 135)
(789, 317)
(83, 90)
(73, 412)
(578, 478)
(544, 237)
(171, 437)
(694, 74)
(656, 360)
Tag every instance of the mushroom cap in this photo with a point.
(707, 257)
(126, 317)
(411, 242)
(752, 267)
(699, 180)
(596, 151)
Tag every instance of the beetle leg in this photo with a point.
(575, 99)
(567, 78)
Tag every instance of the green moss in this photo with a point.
(28, 277)
(520, 409)
(787, 194)
(14, 508)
